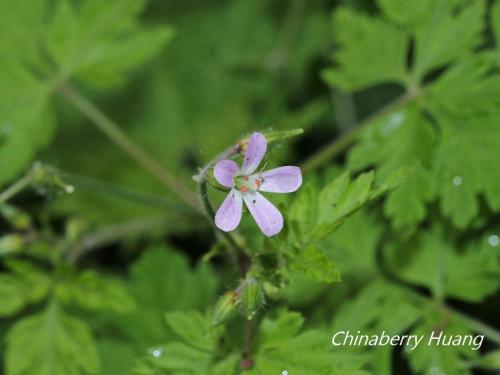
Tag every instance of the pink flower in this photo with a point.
(246, 187)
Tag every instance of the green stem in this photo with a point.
(16, 187)
(241, 259)
(112, 234)
(477, 326)
(113, 131)
(106, 188)
(340, 144)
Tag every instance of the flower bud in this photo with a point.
(225, 307)
(252, 297)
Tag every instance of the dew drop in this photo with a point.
(284, 372)
(457, 180)
(155, 352)
(494, 240)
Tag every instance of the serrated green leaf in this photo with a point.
(451, 31)
(26, 119)
(467, 87)
(409, 12)
(316, 264)
(51, 343)
(307, 353)
(467, 144)
(91, 291)
(470, 274)
(440, 359)
(192, 328)
(380, 42)
(26, 284)
(162, 281)
(402, 139)
(378, 307)
(101, 41)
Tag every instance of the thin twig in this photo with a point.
(113, 131)
(340, 144)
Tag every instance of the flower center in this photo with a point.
(247, 183)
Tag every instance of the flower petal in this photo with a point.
(266, 215)
(228, 215)
(257, 146)
(281, 180)
(224, 172)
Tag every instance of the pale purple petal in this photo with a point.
(256, 149)
(266, 215)
(228, 215)
(281, 180)
(224, 172)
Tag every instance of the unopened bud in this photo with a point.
(252, 297)
(225, 308)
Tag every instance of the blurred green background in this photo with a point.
(95, 251)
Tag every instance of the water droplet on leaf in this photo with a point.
(494, 240)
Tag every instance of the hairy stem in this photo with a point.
(118, 136)
(340, 144)
(240, 257)
(120, 192)
(242, 260)
(248, 342)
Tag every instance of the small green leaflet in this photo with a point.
(439, 359)
(469, 273)
(440, 128)
(162, 280)
(51, 343)
(101, 41)
(93, 292)
(315, 215)
(281, 347)
(24, 285)
(97, 42)
(193, 354)
(382, 42)
(401, 139)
